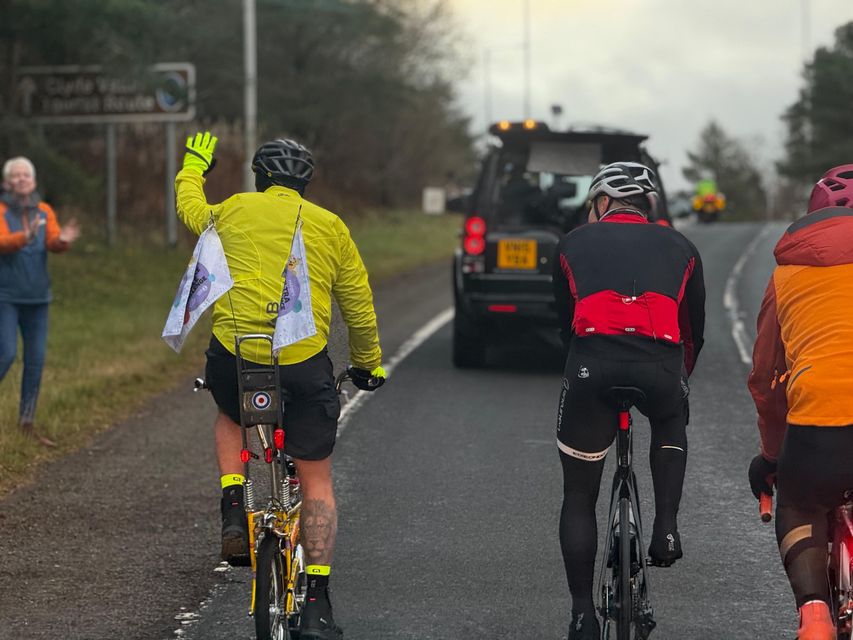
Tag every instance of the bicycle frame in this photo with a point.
(625, 487)
(840, 564)
(261, 409)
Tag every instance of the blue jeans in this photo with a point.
(32, 319)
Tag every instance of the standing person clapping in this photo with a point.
(28, 230)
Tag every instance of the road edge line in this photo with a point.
(415, 340)
(730, 299)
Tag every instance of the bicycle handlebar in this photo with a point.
(765, 507)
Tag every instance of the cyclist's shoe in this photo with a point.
(816, 622)
(665, 547)
(235, 528)
(584, 626)
(316, 621)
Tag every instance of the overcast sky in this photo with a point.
(659, 67)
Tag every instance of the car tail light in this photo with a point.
(475, 226)
(475, 236)
(503, 308)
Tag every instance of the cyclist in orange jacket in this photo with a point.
(801, 383)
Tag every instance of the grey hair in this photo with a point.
(7, 166)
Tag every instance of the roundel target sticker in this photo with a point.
(261, 400)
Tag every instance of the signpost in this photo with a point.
(75, 94)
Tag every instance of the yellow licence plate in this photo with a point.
(517, 254)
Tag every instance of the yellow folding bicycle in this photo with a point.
(277, 558)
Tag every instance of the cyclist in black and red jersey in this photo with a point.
(631, 298)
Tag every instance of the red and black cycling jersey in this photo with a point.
(627, 284)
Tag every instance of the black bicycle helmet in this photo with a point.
(622, 179)
(283, 161)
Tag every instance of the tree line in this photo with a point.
(365, 84)
(819, 136)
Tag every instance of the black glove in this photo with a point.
(762, 476)
(367, 380)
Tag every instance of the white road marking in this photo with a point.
(417, 339)
(731, 304)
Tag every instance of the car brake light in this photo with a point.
(475, 245)
(503, 308)
(475, 231)
(475, 226)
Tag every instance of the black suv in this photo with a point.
(530, 192)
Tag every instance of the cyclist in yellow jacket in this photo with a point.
(256, 230)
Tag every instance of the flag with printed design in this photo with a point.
(206, 279)
(295, 319)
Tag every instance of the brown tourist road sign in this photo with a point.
(69, 94)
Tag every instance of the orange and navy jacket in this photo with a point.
(802, 362)
(632, 287)
(23, 266)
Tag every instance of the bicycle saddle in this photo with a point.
(625, 397)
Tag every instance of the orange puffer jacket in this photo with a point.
(802, 370)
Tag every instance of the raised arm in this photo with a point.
(192, 205)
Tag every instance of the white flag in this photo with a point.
(206, 279)
(295, 320)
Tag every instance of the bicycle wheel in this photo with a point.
(623, 587)
(270, 618)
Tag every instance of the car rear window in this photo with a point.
(543, 184)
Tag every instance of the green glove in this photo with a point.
(199, 155)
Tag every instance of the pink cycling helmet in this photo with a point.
(834, 189)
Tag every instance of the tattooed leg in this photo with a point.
(319, 520)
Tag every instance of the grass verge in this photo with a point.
(105, 357)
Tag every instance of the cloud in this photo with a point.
(661, 67)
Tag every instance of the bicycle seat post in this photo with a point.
(623, 398)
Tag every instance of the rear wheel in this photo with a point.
(469, 349)
(270, 614)
(624, 600)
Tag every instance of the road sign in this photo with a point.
(68, 94)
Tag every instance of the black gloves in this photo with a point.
(762, 476)
(367, 380)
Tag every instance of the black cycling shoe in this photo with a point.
(665, 547)
(235, 530)
(584, 626)
(316, 621)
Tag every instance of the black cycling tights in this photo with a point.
(814, 472)
(578, 531)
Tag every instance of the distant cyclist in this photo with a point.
(256, 230)
(631, 299)
(802, 384)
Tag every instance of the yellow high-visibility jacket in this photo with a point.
(256, 230)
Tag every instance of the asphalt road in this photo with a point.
(449, 491)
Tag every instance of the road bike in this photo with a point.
(625, 607)
(839, 561)
(279, 582)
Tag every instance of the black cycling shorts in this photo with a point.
(587, 422)
(311, 403)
